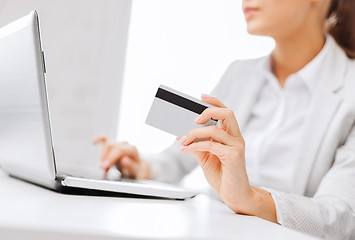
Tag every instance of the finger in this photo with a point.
(101, 139)
(112, 158)
(105, 147)
(118, 151)
(129, 167)
(105, 150)
(209, 132)
(215, 148)
(212, 100)
(114, 155)
(225, 115)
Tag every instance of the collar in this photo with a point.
(309, 73)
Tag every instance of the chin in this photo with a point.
(254, 28)
(256, 31)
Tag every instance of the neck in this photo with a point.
(294, 52)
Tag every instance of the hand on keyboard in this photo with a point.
(125, 157)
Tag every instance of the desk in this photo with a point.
(31, 212)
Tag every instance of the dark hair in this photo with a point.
(341, 17)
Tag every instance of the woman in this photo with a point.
(288, 155)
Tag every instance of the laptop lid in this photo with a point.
(26, 145)
(25, 141)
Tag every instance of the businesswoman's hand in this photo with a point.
(223, 162)
(125, 157)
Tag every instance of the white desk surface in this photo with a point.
(31, 212)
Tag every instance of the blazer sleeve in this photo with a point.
(170, 165)
(330, 213)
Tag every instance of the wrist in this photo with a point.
(244, 204)
(257, 202)
(263, 205)
(146, 170)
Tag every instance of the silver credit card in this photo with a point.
(174, 112)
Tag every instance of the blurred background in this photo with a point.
(106, 58)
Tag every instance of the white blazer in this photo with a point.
(323, 201)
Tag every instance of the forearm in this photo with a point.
(326, 217)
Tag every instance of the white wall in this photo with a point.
(185, 44)
(85, 45)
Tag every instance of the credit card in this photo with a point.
(174, 112)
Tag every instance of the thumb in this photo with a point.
(212, 100)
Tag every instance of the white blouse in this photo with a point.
(273, 132)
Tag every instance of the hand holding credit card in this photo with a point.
(174, 112)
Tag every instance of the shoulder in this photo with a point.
(350, 75)
(351, 68)
(246, 65)
(240, 70)
(237, 76)
(349, 81)
(347, 89)
(338, 70)
(340, 66)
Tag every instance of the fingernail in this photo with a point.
(197, 119)
(206, 96)
(182, 140)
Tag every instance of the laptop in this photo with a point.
(26, 140)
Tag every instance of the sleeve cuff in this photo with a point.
(153, 165)
(278, 204)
